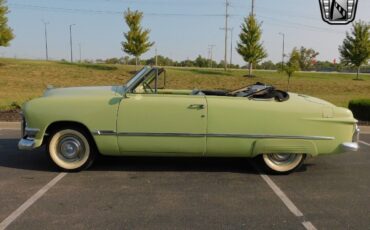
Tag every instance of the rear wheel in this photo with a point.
(71, 149)
(283, 163)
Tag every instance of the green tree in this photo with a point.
(268, 65)
(201, 62)
(6, 33)
(292, 65)
(112, 61)
(249, 46)
(137, 38)
(162, 61)
(355, 50)
(306, 58)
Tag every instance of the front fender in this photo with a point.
(94, 112)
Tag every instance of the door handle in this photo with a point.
(196, 106)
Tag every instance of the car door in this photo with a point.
(162, 124)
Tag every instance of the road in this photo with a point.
(331, 192)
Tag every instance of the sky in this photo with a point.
(180, 29)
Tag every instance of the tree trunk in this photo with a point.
(358, 71)
(250, 69)
(288, 81)
(136, 62)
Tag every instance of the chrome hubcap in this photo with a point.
(282, 159)
(71, 148)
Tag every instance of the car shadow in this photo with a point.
(177, 164)
(11, 157)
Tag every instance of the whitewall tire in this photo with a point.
(71, 149)
(283, 163)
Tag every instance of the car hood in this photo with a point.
(84, 91)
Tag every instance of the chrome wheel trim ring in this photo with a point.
(70, 148)
(282, 158)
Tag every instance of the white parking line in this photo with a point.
(290, 205)
(285, 199)
(308, 225)
(14, 215)
(364, 143)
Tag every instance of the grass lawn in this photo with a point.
(21, 80)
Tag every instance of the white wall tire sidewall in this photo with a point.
(283, 167)
(54, 155)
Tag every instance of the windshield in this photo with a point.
(137, 76)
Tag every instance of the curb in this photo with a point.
(10, 125)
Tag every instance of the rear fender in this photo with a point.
(284, 146)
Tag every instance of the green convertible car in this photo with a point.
(143, 118)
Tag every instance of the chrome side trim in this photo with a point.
(269, 136)
(104, 133)
(259, 136)
(162, 134)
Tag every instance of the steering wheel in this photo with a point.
(147, 88)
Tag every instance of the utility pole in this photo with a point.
(227, 4)
(231, 46)
(156, 57)
(80, 49)
(210, 49)
(46, 40)
(209, 54)
(70, 40)
(283, 54)
(252, 11)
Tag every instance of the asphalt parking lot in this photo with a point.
(330, 192)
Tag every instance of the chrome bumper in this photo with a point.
(26, 144)
(350, 146)
(28, 136)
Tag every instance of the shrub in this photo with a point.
(360, 109)
(15, 105)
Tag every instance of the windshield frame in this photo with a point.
(143, 76)
(150, 78)
(137, 77)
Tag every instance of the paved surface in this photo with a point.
(147, 193)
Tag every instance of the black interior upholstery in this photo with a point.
(256, 91)
(209, 92)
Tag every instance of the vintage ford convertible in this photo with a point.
(143, 118)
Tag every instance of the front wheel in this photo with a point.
(71, 149)
(283, 163)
